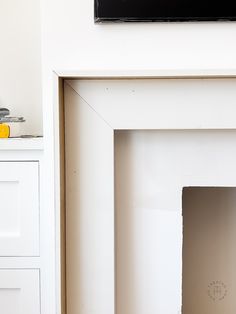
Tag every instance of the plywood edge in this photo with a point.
(62, 195)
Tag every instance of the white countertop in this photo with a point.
(34, 143)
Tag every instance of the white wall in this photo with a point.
(20, 61)
(73, 41)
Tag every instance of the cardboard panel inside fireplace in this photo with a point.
(209, 253)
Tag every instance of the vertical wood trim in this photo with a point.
(89, 143)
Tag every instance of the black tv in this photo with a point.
(164, 10)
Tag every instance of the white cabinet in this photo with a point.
(22, 267)
(19, 292)
(19, 208)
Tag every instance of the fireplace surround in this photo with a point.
(185, 128)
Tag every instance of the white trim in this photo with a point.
(161, 103)
(94, 222)
(151, 74)
(57, 192)
(21, 144)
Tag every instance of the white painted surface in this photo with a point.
(175, 103)
(20, 62)
(23, 277)
(19, 211)
(19, 291)
(162, 163)
(146, 74)
(152, 167)
(72, 41)
(20, 144)
(148, 229)
(90, 212)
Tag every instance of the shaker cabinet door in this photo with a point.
(19, 208)
(19, 292)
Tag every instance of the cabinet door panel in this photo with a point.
(19, 292)
(19, 209)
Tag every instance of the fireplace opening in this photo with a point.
(164, 264)
(209, 250)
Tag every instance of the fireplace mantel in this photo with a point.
(147, 74)
(99, 121)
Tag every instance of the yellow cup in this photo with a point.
(4, 131)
